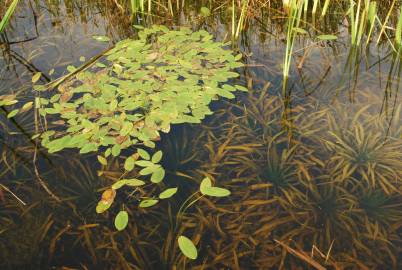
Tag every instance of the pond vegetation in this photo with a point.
(168, 134)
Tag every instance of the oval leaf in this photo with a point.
(158, 175)
(187, 247)
(168, 193)
(121, 220)
(148, 203)
(129, 164)
(157, 157)
(205, 183)
(216, 192)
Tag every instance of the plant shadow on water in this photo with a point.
(314, 180)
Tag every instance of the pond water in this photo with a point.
(315, 174)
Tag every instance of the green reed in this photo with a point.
(10, 11)
(293, 22)
(398, 32)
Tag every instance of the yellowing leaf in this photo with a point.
(36, 77)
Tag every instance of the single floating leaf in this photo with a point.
(158, 175)
(129, 182)
(327, 37)
(157, 157)
(129, 164)
(121, 220)
(148, 203)
(36, 77)
(216, 192)
(187, 247)
(12, 113)
(168, 193)
(102, 160)
(144, 154)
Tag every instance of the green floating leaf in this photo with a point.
(327, 37)
(144, 154)
(187, 247)
(206, 188)
(158, 175)
(101, 38)
(205, 183)
(157, 157)
(129, 164)
(300, 30)
(102, 160)
(216, 192)
(168, 193)
(129, 182)
(121, 220)
(12, 113)
(148, 203)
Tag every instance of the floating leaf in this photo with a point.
(168, 193)
(205, 183)
(36, 77)
(216, 192)
(148, 203)
(121, 220)
(144, 154)
(129, 164)
(157, 157)
(27, 106)
(129, 182)
(12, 113)
(187, 247)
(102, 160)
(206, 188)
(102, 206)
(327, 37)
(158, 175)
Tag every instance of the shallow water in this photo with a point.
(335, 89)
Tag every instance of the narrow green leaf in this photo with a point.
(168, 193)
(148, 203)
(12, 113)
(102, 160)
(327, 37)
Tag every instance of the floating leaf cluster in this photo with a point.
(137, 90)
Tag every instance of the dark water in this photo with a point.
(283, 157)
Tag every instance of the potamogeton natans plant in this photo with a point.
(137, 90)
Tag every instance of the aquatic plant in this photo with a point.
(4, 21)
